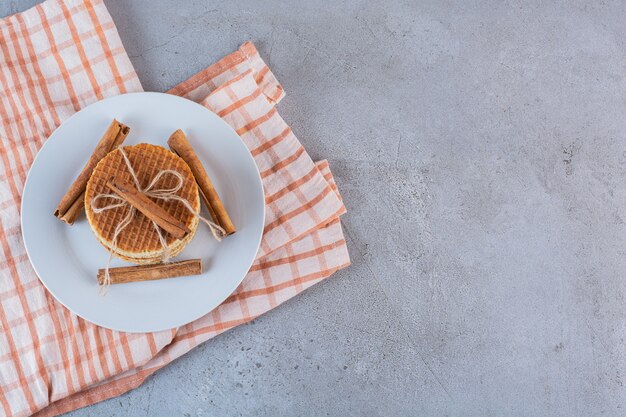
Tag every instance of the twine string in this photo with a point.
(165, 194)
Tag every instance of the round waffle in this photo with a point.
(139, 242)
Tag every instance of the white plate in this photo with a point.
(66, 258)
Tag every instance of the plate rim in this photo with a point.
(51, 137)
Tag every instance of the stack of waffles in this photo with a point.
(139, 242)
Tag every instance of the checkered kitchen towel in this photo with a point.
(61, 56)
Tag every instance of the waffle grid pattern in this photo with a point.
(140, 235)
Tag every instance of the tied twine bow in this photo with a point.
(165, 194)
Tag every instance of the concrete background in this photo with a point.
(481, 151)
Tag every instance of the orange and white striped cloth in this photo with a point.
(61, 56)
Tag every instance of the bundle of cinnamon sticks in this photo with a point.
(72, 203)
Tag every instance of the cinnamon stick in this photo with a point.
(152, 272)
(179, 144)
(72, 202)
(72, 213)
(149, 208)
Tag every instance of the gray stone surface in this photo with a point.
(481, 151)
